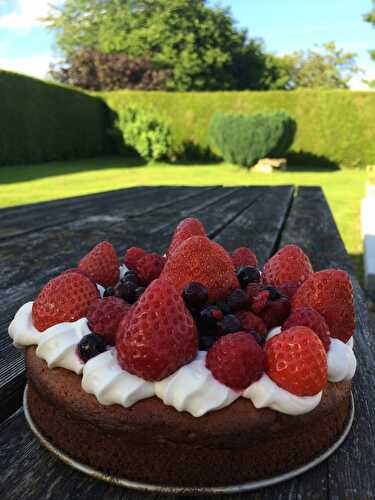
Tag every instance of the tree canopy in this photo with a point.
(370, 18)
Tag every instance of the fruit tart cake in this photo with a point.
(194, 368)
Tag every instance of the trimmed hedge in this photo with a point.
(41, 121)
(334, 126)
(245, 138)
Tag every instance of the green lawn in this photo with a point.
(26, 184)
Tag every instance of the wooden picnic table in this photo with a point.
(39, 241)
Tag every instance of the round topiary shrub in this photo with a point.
(245, 138)
(144, 131)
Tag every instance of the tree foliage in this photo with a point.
(199, 46)
(370, 18)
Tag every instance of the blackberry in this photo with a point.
(130, 276)
(229, 324)
(126, 290)
(238, 300)
(195, 295)
(225, 309)
(209, 316)
(90, 345)
(248, 274)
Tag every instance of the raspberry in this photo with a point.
(186, 229)
(101, 264)
(243, 256)
(253, 289)
(289, 265)
(65, 298)
(305, 316)
(296, 361)
(104, 316)
(260, 301)
(236, 360)
(330, 293)
(159, 336)
(250, 321)
(132, 255)
(149, 267)
(202, 260)
(276, 312)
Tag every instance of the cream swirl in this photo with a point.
(57, 345)
(103, 377)
(194, 389)
(341, 361)
(264, 393)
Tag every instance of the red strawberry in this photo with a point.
(132, 255)
(296, 361)
(329, 292)
(289, 265)
(160, 336)
(260, 301)
(236, 360)
(305, 316)
(65, 298)
(79, 271)
(149, 267)
(250, 321)
(205, 261)
(243, 256)
(276, 312)
(104, 316)
(101, 264)
(185, 229)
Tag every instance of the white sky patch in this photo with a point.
(27, 13)
(34, 66)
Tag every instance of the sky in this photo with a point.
(285, 26)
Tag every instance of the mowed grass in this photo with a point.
(344, 189)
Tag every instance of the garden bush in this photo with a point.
(245, 138)
(145, 132)
(40, 121)
(334, 127)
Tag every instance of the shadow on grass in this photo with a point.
(304, 161)
(22, 173)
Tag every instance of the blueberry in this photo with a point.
(90, 345)
(130, 276)
(248, 274)
(205, 342)
(274, 292)
(138, 292)
(108, 292)
(258, 337)
(225, 309)
(229, 324)
(126, 290)
(195, 295)
(209, 316)
(238, 300)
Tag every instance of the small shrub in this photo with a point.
(146, 133)
(245, 138)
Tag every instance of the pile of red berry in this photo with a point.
(200, 297)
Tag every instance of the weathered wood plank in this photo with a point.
(350, 470)
(244, 208)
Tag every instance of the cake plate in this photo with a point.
(186, 490)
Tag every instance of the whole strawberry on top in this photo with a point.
(204, 261)
(296, 361)
(64, 298)
(289, 266)
(101, 264)
(159, 335)
(185, 229)
(329, 292)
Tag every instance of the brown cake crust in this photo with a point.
(152, 442)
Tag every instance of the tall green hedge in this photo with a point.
(338, 125)
(41, 121)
